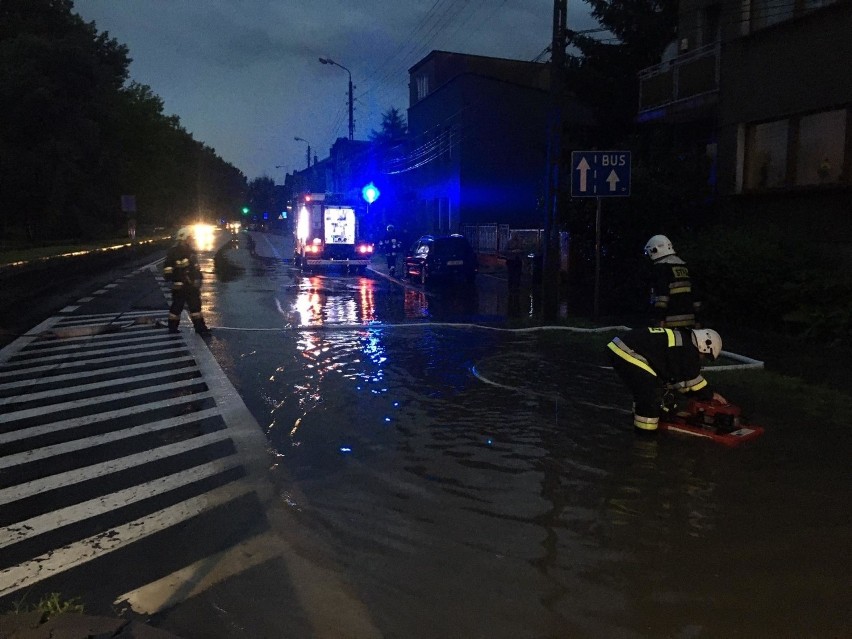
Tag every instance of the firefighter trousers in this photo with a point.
(190, 297)
(647, 392)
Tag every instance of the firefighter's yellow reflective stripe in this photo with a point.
(690, 385)
(168, 270)
(680, 289)
(697, 385)
(182, 263)
(172, 316)
(630, 357)
(195, 315)
(646, 423)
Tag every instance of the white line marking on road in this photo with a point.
(82, 388)
(86, 420)
(88, 402)
(72, 555)
(178, 347)
(69, 309)
(179, 362)
(90, 353)
(103, 469)
(48, 522)
(39, 454)
(202, 575)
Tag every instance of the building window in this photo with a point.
(801, 151)
(422, 86)
(821, 141)
(766, 155)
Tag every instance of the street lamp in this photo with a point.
(308, 153)
(351, 121)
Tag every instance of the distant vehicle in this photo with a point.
(441, 257)
(328, 234)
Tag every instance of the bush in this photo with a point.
(754, 276)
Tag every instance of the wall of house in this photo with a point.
(789, 70)
(503, 153)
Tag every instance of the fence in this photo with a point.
(494, 238)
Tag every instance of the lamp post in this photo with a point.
(351, 120)
(308, 153)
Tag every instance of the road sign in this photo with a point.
(600, 173)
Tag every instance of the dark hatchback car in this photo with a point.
(441, 257)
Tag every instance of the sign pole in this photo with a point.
(597, 256)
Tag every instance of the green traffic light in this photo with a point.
(245, 210)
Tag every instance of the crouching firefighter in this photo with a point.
(651, 361)
(181, 269)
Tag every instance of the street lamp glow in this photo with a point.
(370, 193)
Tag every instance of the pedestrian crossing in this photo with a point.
(113, 431)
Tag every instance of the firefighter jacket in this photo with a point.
(667, 354)
(674, 302)
(181, 267)
(391, 244)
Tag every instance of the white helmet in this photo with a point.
(183, 234)
(659, 246)
(707, 341)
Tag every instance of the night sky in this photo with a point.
(244, 76)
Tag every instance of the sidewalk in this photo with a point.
(29, 625)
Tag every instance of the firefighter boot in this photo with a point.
(173, 325)
(200, 326)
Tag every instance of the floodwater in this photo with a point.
(470, 481)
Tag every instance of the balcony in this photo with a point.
(685, 88)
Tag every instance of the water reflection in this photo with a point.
(322, 300)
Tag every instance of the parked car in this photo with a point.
(441, 257)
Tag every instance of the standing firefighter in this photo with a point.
(391, 245)
(674, 304)
(181, 269)
(651, 361)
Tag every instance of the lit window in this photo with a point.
(766, 155)
(422, 86)
(819, 157)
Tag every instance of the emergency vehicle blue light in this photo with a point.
(345, 449)
(370, 193)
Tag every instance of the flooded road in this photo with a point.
(471, 481)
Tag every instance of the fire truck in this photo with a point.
(328, 234)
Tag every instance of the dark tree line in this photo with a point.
(76, 136)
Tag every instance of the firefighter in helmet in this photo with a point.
(391, 245)
(181, 269)
(652, 361)
(672, 294)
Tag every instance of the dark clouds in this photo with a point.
(244, 76)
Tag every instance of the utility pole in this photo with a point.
(550, 265)
(351, 99)
(307, 152)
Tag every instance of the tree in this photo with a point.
(75, 137)
(261, 196)
(605, 73)
(393, 128)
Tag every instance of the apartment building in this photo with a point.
(765, 87)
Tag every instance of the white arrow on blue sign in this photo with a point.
(600, 173)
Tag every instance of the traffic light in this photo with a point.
(245, 210)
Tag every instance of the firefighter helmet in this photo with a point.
(659, 246)
(183, 234)
(707, 341)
